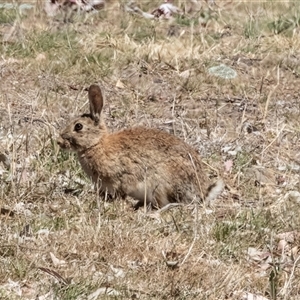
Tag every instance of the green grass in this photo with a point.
(55, 44)
(72, 291)
(286, 24)
(7, 16)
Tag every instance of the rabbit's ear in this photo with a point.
(96, 102)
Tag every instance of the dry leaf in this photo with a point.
(12, 287)
(103, 291)
(120, 84)
(40, 57)
(187, 73)
(256, 254)
(282, 245)
(49, 296)
(56, 262)
(293, 195)
(250, 296)
(289, 236)
(118, 272)
(228, 165)
(166, 10)
(294, 251)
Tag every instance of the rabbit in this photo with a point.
(149, 165)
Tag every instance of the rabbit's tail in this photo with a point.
(215, 190)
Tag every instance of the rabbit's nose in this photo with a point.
(61, 139)
(64, 141)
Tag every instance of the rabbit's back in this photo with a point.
(147, 164)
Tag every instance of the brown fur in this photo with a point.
(139, 162)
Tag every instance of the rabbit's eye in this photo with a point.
(78, 127)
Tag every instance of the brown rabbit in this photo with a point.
(144, 163)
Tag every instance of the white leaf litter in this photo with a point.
(131, 8)
(262, 258)
(285, 252)
(12, 286)
(289, 236)
(142, 13)
(48, 296)
(187, 73)
(21, 289)
(20, 208)
(228, 165)
(167, 10)
(103, 291)
(53, 7)
(91, 5)
(250, 296)
(257, 254)
(134, 264)
(44, 232)
(64, 179)
(282, 245)
(293, 195)
(120, 84)
(232, 149)
(117, 272)
(57, 262)
(111, 275)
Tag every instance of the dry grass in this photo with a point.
(58, 241)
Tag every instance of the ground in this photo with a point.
(58, 240)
